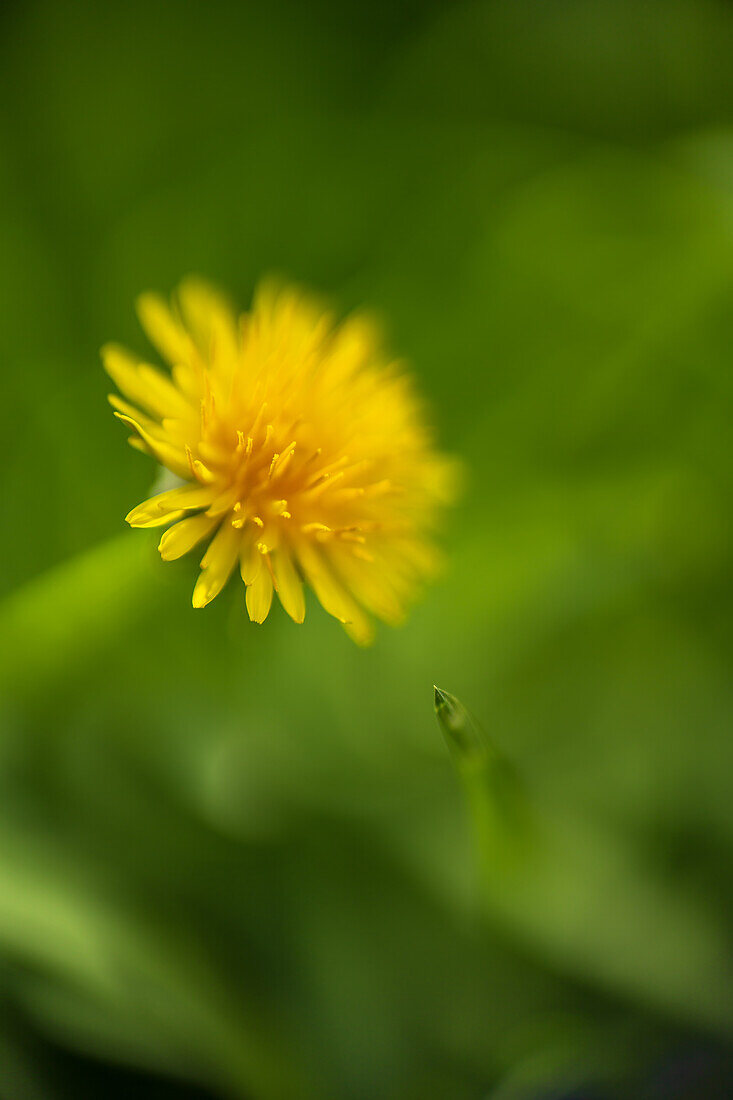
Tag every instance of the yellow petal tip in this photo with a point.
(200, 598)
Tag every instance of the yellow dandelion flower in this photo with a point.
(301, 451)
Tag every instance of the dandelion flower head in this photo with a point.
(299, 449)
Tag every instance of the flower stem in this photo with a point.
(52, 624)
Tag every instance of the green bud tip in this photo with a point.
(440, 697)
(459, 728)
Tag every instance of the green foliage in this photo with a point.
(235, 858)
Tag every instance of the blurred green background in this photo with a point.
(236, 861)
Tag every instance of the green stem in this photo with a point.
(51, 625)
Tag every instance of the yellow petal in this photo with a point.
(165, 452)
(165, 507)
(250, 561)
(169, 398)
(259, 596)
(120, 405)
(224, 502)
(360, 630)
(418, 557)
(188, 379)
(164, 330)
(289, 585)
(183, 536)
(210, 320)
(217, 564)
(143, 384)
(370, 585)
(333, 596)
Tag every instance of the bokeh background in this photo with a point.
(236, 861)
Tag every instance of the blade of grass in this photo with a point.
(580, 896)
